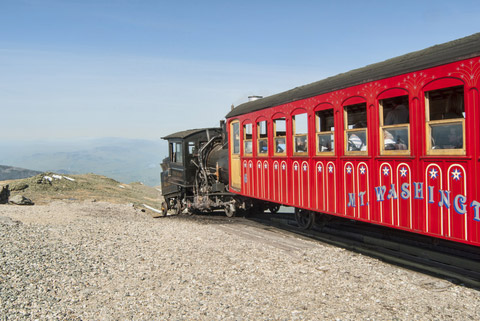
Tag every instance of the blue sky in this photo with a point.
(144, 69)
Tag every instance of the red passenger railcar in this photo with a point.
(395, 143)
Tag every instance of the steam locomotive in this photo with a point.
(194, 176)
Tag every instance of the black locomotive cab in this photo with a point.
(181, 168)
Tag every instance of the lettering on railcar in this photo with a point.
(459, 203)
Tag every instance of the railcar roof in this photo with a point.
(189, 132)
(437, 55)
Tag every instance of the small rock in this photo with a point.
(21, 200)
(5, 220)
(4, 194)
(19, 187)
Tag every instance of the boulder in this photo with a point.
(4, 194)
(19, 187)
(20, 200)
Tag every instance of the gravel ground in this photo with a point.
(102, 261)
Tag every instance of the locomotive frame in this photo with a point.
(331, 147)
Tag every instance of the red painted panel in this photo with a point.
(404, 192)
(456, 220)
(296, 176)
(386, 194)
(266, 180)
(331, 187)
(320, 186)
(434, 222)
(349, 191)
(363, 191)
(305, 185)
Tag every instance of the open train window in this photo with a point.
(325, 131)
(262, 138)
(356, 129)
(445, 117)
(280, 131)
(300, 134)
(394, 126)
(247, 139)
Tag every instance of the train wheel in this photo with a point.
(178, 207)
(304, 218)
(164, 208)
(230, 210)
(274, 208)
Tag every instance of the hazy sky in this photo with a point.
(144, 69)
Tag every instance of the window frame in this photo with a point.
(354, 130)
(245, 140)
(234, 139)
(275, 137)
(383, 151)
(298, 136)
(318, 133)
(262, 139)
(451, 121)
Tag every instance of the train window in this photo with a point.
(280, 130)
(445, 116)
(300, 134)
(176, 152)
(191, 148)
(325, 131)
(262, 138)
(247, 139)
(394, 126)
(355, 129)
(236, 137)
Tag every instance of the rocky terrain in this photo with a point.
(69, 257)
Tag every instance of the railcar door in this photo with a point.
(235, 162)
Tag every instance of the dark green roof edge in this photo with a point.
(189, 132)
(437, 55)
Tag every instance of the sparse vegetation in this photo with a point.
(84, 187)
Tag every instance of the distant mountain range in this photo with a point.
(9, 172)
(125, 160)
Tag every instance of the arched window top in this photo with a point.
(392, 92)
(354, 100)
(323, 106)
(278, 115)
(443, 83)
(246, 121)
(261, 118)
(298, 111)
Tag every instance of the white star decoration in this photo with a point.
(362, 170)
(276, 166)
(295, 167)
(304, 167)
(330, 169)
(386, 171)
(456, 174)
(349, 169)
(265, 165)
(403, 172)
(283, 166)
(319, 168)
(433, 173)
